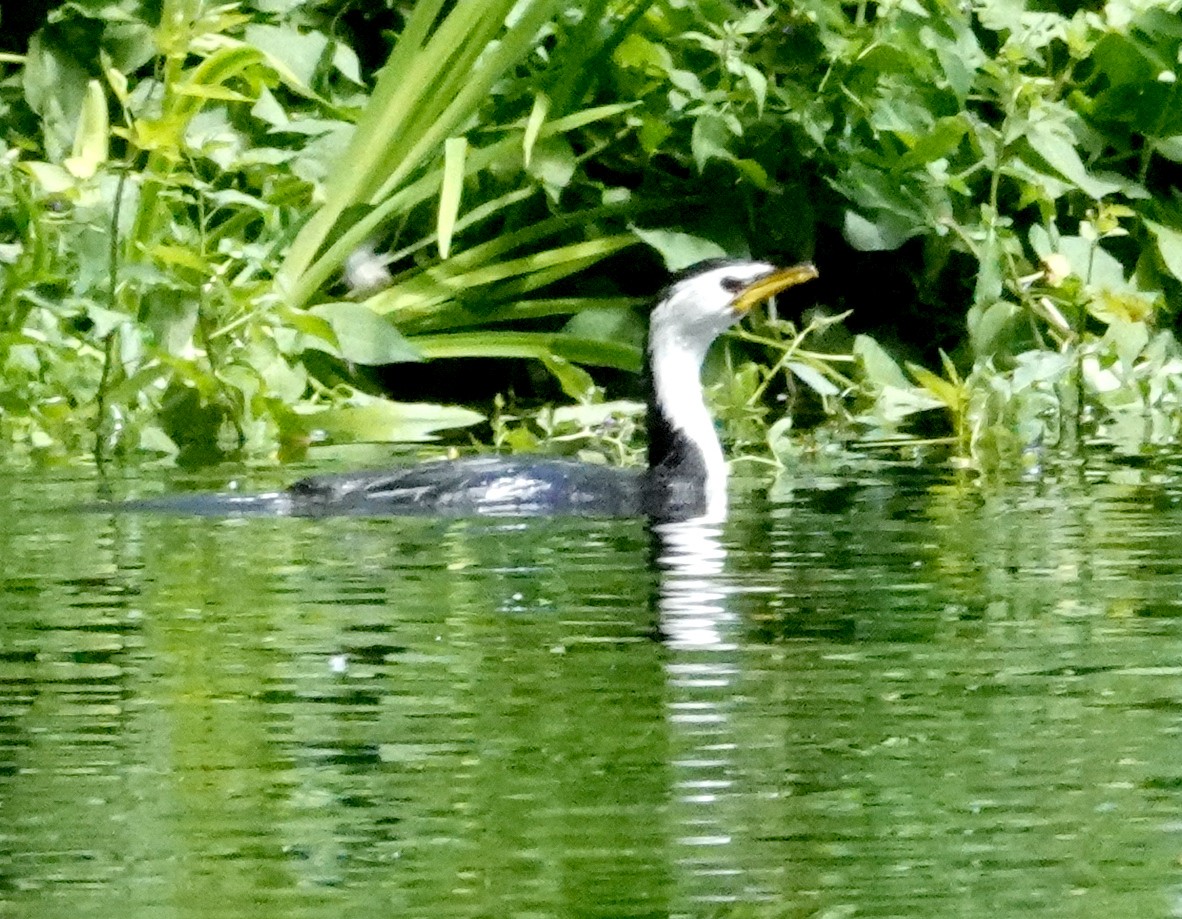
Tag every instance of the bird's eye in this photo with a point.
(733, 285)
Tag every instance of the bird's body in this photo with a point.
(513, 485)
(686, 473)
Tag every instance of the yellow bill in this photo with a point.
(772, 284)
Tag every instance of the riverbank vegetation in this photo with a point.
(244, 230)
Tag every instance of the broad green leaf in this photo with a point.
(1056, 146)
(364, 337)
(455, 151)
(575, 381)
(1169, 147)
(679, 250)
(992, 328)
(368, 419)
(1128, 340)
(951, 395)
(55, 87)
(885, 234)
(53, 179)
(758, 83)
(813, 379)
(710, 140)
(941, 141)
(1169, 246)
(593, 414)
(554, 164)
(878, 366)
(300, 52)
(897, 403)
(92, 135)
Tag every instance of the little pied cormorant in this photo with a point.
(686, 474)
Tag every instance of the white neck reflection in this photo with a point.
(692, 561)
(701, 676)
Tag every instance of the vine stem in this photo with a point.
(110, 339)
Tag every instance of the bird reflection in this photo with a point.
(702, 674)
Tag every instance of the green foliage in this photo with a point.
(1034, 152)
(217, 219)
(163, 290)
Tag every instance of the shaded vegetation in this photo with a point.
(244, 229)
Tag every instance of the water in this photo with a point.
(899, 695)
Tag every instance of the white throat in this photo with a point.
(676, 370)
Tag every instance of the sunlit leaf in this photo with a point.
(813, 379)
(679, 250)
(363, 337)
(1057, 147)
(369, 419)
(455, 149)
(91, 138)
(885, 233)
(537, 116)
(948, 393)
(880, 368)
(1169, 246)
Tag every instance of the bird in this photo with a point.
(686, 474)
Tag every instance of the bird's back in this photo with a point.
(517, 486)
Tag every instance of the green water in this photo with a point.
(903, 695)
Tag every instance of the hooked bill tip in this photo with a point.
(771, 284)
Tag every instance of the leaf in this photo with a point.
(53, 179)
(436, 78)
(948, 393)
(554, 164)
(1169, 147)
(531, 345)
(1128, 339)
(455, 151)
(594, 414)
(575, 381)
(363, 337)
(533, 125)
(710, 140)
(813, 379)
(886, 234)
(941, 141)
(92, 136)
(879, 367)
(679, 250)
(758, 83)
(897, 403)
(1057, 147)
(300, 52)
(368, 419)
(1169, 246)
(993, 328)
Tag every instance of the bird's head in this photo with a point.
(703, 301)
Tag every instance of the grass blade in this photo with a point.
(455, 151)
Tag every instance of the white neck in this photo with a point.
(676, 370)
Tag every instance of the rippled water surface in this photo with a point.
(905, 695)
